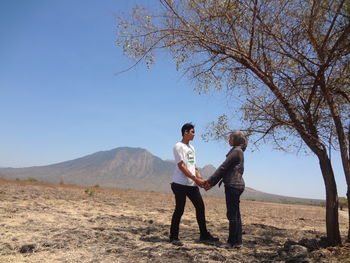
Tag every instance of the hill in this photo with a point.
(126, 168)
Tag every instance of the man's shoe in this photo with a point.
(175, 241)
(227, 246)
(231, 246)
(237, 246)
(208, 238)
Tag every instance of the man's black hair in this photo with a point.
(186, 127)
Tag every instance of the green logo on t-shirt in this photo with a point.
(190, 157)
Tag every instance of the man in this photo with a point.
(185, 180)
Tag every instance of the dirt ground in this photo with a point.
(57, 223)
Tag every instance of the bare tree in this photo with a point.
(286, 60)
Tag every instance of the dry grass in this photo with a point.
(57, 223)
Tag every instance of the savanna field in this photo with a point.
(42, 222)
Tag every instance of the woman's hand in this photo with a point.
(199, 181)
(206, 185)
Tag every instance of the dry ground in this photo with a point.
(57, 223)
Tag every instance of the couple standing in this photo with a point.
(187, 177)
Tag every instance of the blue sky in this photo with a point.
(61, 98)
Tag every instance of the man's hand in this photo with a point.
(206, 185)
(199, 181)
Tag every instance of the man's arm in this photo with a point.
(200, 181)
(197, 178)
(198, 174)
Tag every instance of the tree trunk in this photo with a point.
(348, 191)
(348, 196)
(332, 220)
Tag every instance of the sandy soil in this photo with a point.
(57, 223)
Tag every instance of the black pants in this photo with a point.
(233, 214)
(192, 192)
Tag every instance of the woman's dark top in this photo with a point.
(231, 170)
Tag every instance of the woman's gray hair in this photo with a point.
(239, 139)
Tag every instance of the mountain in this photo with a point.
(124, 167)
(131, 168)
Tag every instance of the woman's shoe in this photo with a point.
(175, 241)
(208, 238)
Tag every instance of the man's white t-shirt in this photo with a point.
(186, 153)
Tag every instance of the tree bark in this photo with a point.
(332, 219)
(348, 191)
(348, 196)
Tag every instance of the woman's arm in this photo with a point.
(230, 160)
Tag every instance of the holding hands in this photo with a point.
(206, 185)
(202, 183)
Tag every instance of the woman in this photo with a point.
(230, 172)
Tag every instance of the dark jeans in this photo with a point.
(233, 214)
(192, 192)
